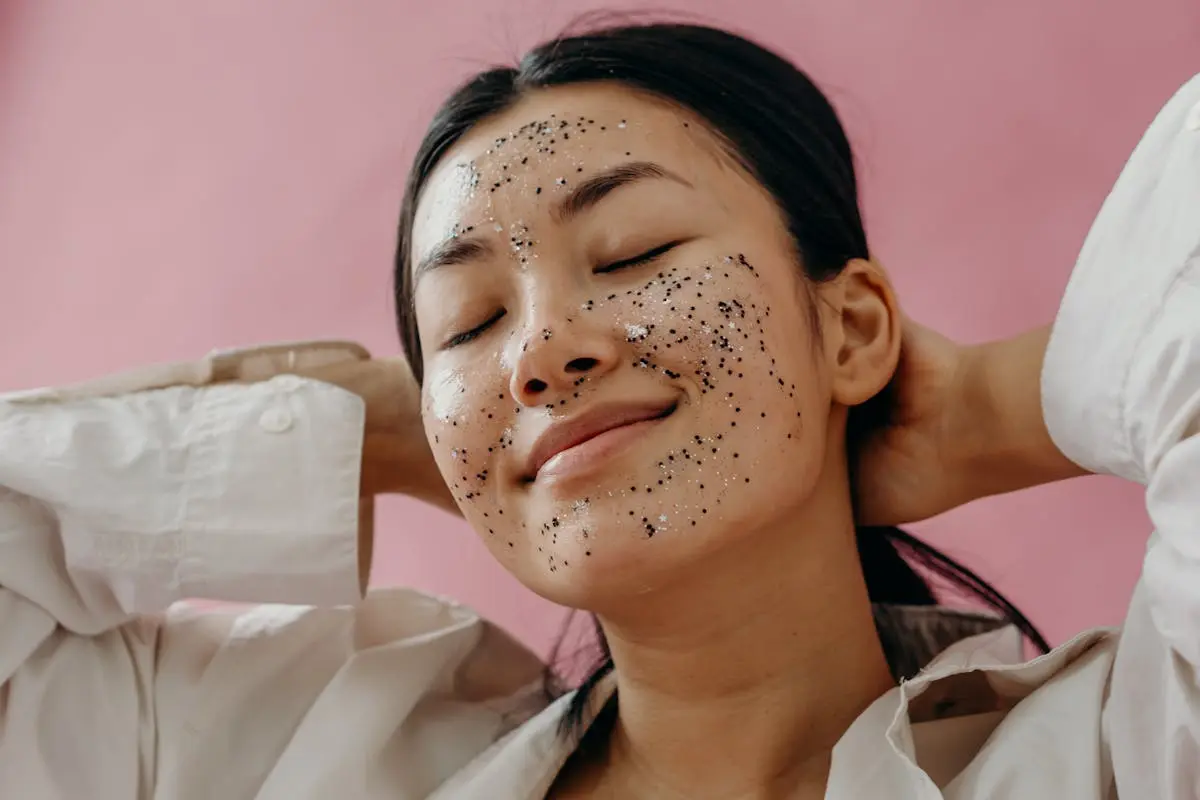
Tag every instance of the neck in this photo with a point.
(740, 684)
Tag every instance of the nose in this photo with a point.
(556, 357)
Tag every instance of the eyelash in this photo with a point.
(466, 336)
(642, 258)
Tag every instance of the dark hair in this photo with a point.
(785, 133)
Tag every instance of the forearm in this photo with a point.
(430, 488)
(1006, 444)
(418, 478)
(405, 465)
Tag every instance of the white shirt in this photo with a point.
(118, 500)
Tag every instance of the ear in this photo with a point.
(861, 326)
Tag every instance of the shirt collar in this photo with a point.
(528, 759)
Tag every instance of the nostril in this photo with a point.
(581, 364)
(535, 386)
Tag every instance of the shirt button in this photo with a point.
(276, 420)
(1193, 119)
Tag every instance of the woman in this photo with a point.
(649, 337)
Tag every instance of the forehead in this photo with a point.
(518, 161)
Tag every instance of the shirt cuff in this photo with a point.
(271, 510)
(233, 492)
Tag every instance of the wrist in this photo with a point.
(1005, 445)
(411, 470)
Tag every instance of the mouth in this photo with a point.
(583, 444)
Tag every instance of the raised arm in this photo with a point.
(118, 506)
(1121, 396)
(116, 502)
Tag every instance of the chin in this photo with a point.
(664, 510)
(600, 583)
(592, 567)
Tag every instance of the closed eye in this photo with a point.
(474, 333)
(642, 258)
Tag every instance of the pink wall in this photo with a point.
(177, 176)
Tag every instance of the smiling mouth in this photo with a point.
(588, 455)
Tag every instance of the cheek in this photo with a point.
(713, 326)
(468, 424)
(446, 396)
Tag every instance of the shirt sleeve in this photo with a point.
(115, 506)
(1121, 393)
(116, 502)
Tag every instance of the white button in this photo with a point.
(1193, 118)
(276, 420)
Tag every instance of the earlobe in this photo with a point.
(868, 332)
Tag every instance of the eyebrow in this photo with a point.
(457, 250)
(594, 189)
(588, 193)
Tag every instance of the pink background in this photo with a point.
(179, 176)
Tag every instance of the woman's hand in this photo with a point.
(908, 469)
(966, 423)
(396, 454)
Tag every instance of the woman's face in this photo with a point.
(620, 374)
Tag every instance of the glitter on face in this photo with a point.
(693, 324)
(714, 334)
(520, 241)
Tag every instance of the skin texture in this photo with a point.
(685, 539)
(720, 325)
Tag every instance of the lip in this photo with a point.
(585, 438)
